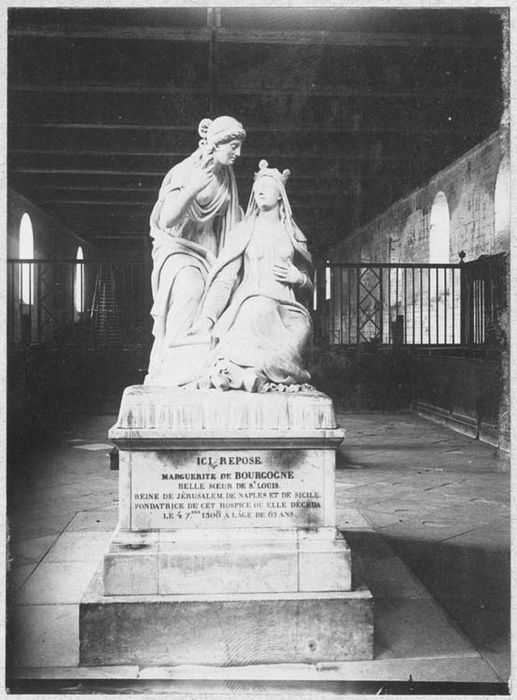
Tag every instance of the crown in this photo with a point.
(265, 170)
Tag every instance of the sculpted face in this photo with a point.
(266, 193)
(227, 153)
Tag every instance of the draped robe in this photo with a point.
(185, 246)
(260, 323)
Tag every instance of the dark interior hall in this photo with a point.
(395, 125)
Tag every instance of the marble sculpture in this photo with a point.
(253, 306)
(196, 209)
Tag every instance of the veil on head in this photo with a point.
(280, 179)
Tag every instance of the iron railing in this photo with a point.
(98, 303)
(388, 304)
(411, 304)
(485, 300)
(429, 305)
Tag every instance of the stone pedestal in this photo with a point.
(226, 531)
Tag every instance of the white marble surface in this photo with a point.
(134, 572)
(228, 568)
(169, 411)
(238, 561)
(177, 489)
(323, 566)
(178, 499)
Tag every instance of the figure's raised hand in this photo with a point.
(201, 176)
(287, 273)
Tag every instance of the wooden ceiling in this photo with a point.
(363, 105)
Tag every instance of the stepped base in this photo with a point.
(227, 561)
(224, 630)
(226, 551)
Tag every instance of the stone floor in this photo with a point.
(426, 510)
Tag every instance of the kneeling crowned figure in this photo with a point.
(254, 302)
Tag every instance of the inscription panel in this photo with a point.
(230, 488)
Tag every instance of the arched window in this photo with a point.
(26, 252)
(79, 285)
(502, 207)
(328, 282)
(439, 235)
(441, 318)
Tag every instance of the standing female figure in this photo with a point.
(197, 206)
(253, 305)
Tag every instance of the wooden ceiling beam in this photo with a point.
(278, 129)
(73, 210)
(353, 38)
(363, 92)
(224, 35)
(112, 33)
(98, 202)
(106, 190)
(133, 202)
(130, 173)
(157, 173)
(63, 183)
(316, 154)
(92, 188)
(145, 89)
(83, 171)
(122, 205)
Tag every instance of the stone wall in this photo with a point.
(45, 385)
(478, 215)
(469, 202)
(50, 286)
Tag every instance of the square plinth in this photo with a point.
(223, 630)
(226, 493)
